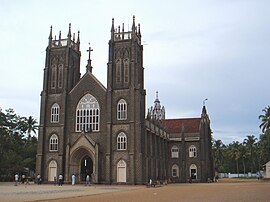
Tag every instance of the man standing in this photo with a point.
(60, 179)
(87, 180)
(16, 179)
(73, 178)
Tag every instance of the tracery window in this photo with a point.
(54, 143)
(192, 151)
(121, 141)
(175, 152)
(87, 114)
(122, 110)
(55, 113)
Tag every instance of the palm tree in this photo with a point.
(218, 148)
(250, 143)
(265, 126)
(234, 153)
(265, 118)
(243, 154)
(28, 125)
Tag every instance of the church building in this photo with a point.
(105, 132)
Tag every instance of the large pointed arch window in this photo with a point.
(55, 113)
(122, 110)
(121, 141)
(87, 114)
(54, 143)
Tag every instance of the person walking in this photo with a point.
(38, 179)
(87, 180)
(60, 180)
(73, 179)
(16, 178)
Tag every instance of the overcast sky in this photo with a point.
(193, 49)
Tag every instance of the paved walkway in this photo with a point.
(33, 192)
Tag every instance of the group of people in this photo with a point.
(59, 182)
(24, 179)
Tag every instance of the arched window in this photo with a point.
(175, 152)
(121, 141)
(54, 143)
(193, 171)
(87, 114)
(122, 110)
(192, 151)
(175, 170)
(121, 171)
(55, 113)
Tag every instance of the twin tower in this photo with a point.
(89, 129)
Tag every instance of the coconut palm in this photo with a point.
(250, 143)
(234, 153)
(265, 118)
(218, 148)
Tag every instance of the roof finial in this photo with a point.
(89, 66)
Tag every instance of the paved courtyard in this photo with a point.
(225, 190)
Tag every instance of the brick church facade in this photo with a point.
(88, 129)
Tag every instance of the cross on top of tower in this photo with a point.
(89, 66)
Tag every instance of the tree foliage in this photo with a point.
(248, 156)
(17, 145)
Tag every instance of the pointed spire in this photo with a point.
(204, 112)
(89, 66)
(139, 31)
(157, 100)
(69, 35)
(78, 41)
(59, 44)
(50, 37)
(112, 30)
(133, 24)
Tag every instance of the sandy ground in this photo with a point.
(225, 190)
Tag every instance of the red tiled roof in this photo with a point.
(191, 125)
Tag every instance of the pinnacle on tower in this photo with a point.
(50, 37)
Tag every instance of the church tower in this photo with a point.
(125, 106)
(61, 74)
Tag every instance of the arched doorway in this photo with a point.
(52, 172)
(86, 167)
(121, 171)
(193, 171)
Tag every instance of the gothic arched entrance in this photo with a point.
(86, 168)
(84, 159)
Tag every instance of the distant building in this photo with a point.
(266, 170)
(89, 129)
